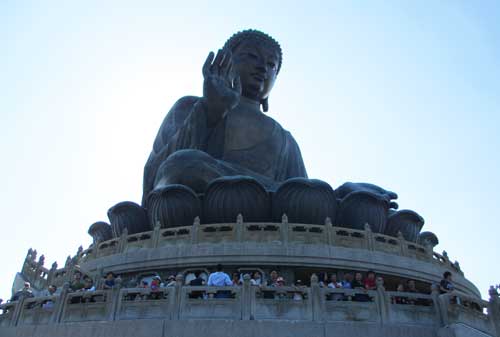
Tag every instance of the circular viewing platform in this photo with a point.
(240, 244)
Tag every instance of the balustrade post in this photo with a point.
(122, 243)
(329, 231)
(51, 274)
(317, 300)
(156, 235)
(57, 314)
(494, 310)
(17, 311)
(369, 237)
(402, 244)
(98, 281)
(443, 305)
(246, 299)
(114, 299)
(178, 299)
(239, 228)
(383, 301)
(284, 229)
(194, 230)
(96, 250)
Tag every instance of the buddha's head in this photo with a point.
(257, 60)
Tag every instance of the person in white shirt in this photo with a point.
(335, 285)
(220, 279)
(298, 294)
(256, 279)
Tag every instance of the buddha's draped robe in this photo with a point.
(244, 142)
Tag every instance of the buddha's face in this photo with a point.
(257, 65)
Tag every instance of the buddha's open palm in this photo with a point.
(221, 89)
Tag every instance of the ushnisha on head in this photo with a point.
(257, 59)
(255, 36)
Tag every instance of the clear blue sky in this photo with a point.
(404, 94)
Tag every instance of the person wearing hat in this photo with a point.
(280, 282)
(23, 292)
(155, 287)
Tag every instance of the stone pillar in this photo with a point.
(317, 300)
(402, 244)
(329, 231)
(370, 244)
(60, 304)
(246, 298)
(383, 301)
(494, 310)
(113, 299)
(52, 272)
(156, 235)
(444, 304)
(178, 298)
(17, 311)
(239, 228)
(122, 244)
(435, 300)
(194, 230)
(284, 229)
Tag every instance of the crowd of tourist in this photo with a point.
(354, 286)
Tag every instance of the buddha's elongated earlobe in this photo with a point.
(265, 104)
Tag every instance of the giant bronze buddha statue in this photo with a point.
(220, 155)
(225, 133)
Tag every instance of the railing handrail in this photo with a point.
(246, 295)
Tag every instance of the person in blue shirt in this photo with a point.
(220, 279)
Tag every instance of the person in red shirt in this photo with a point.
(370, 283)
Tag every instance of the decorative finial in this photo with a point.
(157, 224)
(196, 221)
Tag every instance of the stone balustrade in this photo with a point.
(249, 302)
(275, 235)
(279, 233)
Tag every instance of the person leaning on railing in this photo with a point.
(298, 294)
(109, 282)
(334, 284)
(400, 299)
(236, 279)
(359, 285)
(26, 291)
(50, 291)
(77, 282)
(196, 282)
(220, 279)
(256, 279)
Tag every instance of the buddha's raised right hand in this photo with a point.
(221, 88)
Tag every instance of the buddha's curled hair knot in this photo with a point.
(254, 35)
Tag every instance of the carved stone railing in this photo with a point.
(8, 314)
(249, 302)
(458, 307)
(283, 233)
